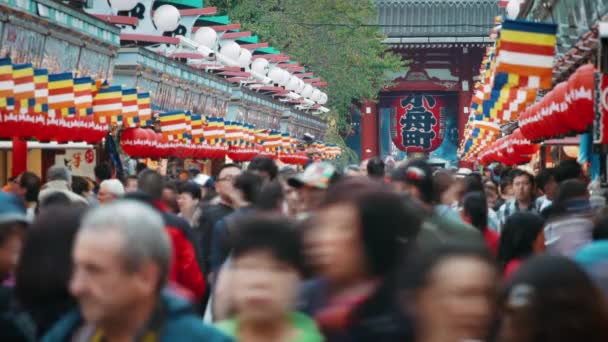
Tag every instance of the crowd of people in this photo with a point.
(258, 253)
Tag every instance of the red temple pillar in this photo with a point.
(19, 159)
(369, 130)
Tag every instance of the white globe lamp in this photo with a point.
(206, 36)
(285, 76)
(245, 58)
(231, 50)
(260, 66)
(293, 84)
(307, 92)
(123, 5)
(166, 18)
(323, 99)
(276, 75)
(316, 95)
(513, 8)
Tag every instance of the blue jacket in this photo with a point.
(180, 324)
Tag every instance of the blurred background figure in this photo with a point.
(206, 185)
(414, 180)
(264, 274)
(169, 196)
(291, 204)
(212, 212)
(59, 179)
(450, 292)
(593, 258)
(523, 195)
(131, 184)
(183, 176)
(102, 172)
(45, 267)
(475, 212)
(264, 167)
(376, 169)
(491, 190)
(122, 259)
(548, 186)
(354, 244)
(517, 240)
(188, 200)
(109, 191)
(27, 188)
(312, 184)
(82, 187)
(550, 298)
(570, 224)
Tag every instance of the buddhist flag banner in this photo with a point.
(197, 128)
(61, 95)
(23, 76)
(107, 104)
(528, 49)
(130, 109)
(260, 136)
(41, 94)
(144, 107)
(173, 125)
(7, 85)
(83, 96)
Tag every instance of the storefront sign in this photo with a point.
(80, 162)
(600, 124)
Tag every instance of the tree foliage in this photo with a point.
(330, 37)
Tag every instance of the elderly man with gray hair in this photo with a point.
(59, 179)
(122, 257)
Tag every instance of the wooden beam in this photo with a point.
(149, 38)
(312, 80)
(236, 35)
(198, 11)
(254, 46)
(235, 73)
(305, 74)
(273, 58)
(319, 84)
(270, 88)
(219, 28)
(294, 69)
(117, 19)
(191, 55)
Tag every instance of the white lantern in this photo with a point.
(513, 8)
(301, 86)
(166, 18)
(285, 76)
(206, 36)
(260, 66)
(276, 74)
(293, 84)
(245, 58)
(123, 5)
(323, 99)
(316, 95)
(307, 92)
(231, 50)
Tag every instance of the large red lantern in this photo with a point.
(581, 90)
(133, 142)
(417, 125)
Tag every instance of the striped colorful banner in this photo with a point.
(197, 129)
(130, 109)
(173, 124)
(107, 104)
(7, 85)
(61, 95)
(144, 107)
(25, 90)
(83, 96)
(527, 48)
(41, 84)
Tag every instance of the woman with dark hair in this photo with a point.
(450, 290)
(45, 266)
(354, 243)
(475, 212)
(517, 240)
(551, 299)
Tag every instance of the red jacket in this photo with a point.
(185, 268)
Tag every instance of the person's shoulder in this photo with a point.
(307, 328)
(191, 328)
(227, 327)
(63, 328)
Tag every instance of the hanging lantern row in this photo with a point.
(568, 108)
(297, 158)
(145, 143)
(513, 149)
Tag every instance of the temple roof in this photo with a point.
(437, 18)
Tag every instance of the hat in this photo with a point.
(316, 175)
(12, 209)
(463, 172)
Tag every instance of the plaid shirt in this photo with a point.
(509, 208)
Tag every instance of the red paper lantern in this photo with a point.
(132, 141)
(418, 122)
(580, 91)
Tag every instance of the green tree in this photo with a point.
(334, 38)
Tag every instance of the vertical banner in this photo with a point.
(600, 123)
